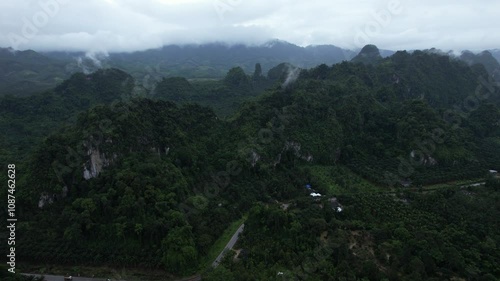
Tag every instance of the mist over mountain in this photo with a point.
(28, 72)
(230, 140)
(215, 59)
(484, 58)
(496, 54)
(135, 161)
(376, 151)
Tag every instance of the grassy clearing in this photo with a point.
(453, 184)
(220, 243)
(336, 180)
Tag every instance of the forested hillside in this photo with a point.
(27, 72)
(23, 73)
(112, 173)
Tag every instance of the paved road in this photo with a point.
(61, 278)
(229, 245)
(474, 184)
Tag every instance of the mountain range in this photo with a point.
(23, 73)
(112, 174)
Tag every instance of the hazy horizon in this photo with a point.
(128, 25)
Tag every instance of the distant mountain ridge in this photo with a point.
(485, 58)
(215, 59)
(370, 54)
(27, 72)
(496, 54)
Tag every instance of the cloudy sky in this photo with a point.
(128, 25)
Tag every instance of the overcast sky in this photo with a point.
(128, 25)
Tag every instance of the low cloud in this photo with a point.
(92, 61)
(129, 25)
(292, 75)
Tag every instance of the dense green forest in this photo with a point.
(112, 172)
(433, 236)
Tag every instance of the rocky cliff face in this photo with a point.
(93, 167)
(295, 147)
(98, 160)
(45, 199)
(426, 160)
(255, 157)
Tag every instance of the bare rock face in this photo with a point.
(427, 160)
(255, 157)
(296, 148)
(45, 199)
(93, 167)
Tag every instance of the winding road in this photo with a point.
(229, 245)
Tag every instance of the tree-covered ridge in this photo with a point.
(27, 120)
(147, 182)
(484, 58)
(214, 60)
(370, 54)
(224, 96)
(370, 116)
(27, 72)
(147, 170)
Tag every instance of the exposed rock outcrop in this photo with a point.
(93, 167)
